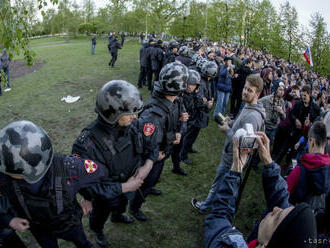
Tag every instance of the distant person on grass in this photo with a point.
(122, 36)
(5, 62)
(113, 47)
(93, 44)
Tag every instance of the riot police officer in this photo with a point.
(38, 187)
(115, 142)
(191, 104)
(184, 56)
(209, 71)
(160, 119)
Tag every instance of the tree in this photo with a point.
(14, 27)
(89, 7)
(289, 21)
(320, 44)
(191, 22)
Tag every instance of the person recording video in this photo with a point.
(252, 113)
(283, 226)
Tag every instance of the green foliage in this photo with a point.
(15, 23)
(86, 27)
(320, 40)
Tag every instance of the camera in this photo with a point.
(246, 137)
(220, 119)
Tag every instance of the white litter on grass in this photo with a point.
(70, 99)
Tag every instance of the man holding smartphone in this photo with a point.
(253, 113)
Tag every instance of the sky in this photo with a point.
(304, 8)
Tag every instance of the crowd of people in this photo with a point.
(117, 159)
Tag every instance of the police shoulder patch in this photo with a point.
(148, 129)
(90, 166)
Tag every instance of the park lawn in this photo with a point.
(70, 69)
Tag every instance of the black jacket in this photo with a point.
(242, 72)
(148, 53)
(143, 55)
(163, 116)
(114, 46)
(298, 112)
(184, 60)
(156, 56)
(169, 56)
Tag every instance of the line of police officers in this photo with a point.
(116, 159)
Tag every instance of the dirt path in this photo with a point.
(19, 69)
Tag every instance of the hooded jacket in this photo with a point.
(254, 114)
(310, 177)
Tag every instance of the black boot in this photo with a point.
(138, 214)
(154, 191)
(100, 239)
(179, 171)
(121, 218)
(187, 161)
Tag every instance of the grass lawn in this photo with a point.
(70, 69)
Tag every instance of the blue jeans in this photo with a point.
(271, 134)
(221, 171)
(222, 100)
(93, 48)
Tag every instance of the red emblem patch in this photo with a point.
(148, 129)
(90, 166)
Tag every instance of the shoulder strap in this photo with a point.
(59, 175)
(20, 198)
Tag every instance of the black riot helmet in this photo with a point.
(172, 79)
(117, 98)
(25, 150)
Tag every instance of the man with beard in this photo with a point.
(252, 113)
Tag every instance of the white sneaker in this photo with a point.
(7, 89)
